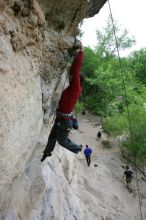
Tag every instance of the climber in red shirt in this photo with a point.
(64, 121)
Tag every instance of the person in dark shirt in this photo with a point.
(88, 153)
(99, 134)
(128, 175)
(84, 112)
(64, 121)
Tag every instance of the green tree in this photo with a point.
(101, 67)
(91, 61)
(133, 126)
(106, 44)
(110, 92)
(138, 64)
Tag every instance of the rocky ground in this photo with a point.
(101, 189)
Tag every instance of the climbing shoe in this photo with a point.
(46, 155)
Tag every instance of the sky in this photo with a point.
(130, 14)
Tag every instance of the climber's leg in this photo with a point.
(51, 143)
(62, 132)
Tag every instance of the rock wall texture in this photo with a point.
(36, 40)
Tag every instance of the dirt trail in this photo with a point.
(100, 187)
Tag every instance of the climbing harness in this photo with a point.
(127, 106)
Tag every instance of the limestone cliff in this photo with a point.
(36, 38)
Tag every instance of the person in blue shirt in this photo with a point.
(88, 153)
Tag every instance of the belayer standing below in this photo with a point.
(128, 175)
(88, 153)
(64, 121)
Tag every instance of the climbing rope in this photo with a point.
(126, 102)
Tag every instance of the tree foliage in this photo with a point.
(138, 64)
(117, 94)
(106, 42)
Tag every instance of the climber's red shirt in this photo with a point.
(72, 92)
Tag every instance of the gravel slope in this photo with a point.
(101, 189)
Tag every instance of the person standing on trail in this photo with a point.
(99, 134)
(64, 120)
(88, 153)
(128, 175)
